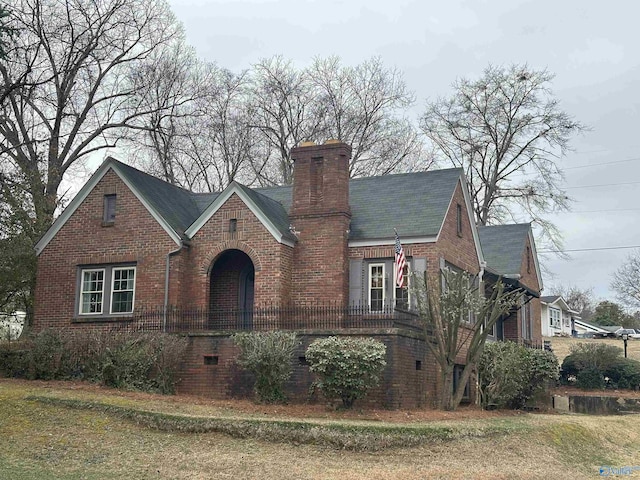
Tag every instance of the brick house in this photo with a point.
(129, 243)
(510, 253)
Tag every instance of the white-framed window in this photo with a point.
(123, 282)
(106, 290)
(566, 320)
(401, 296)
(555, 317)
(376, 287)
(92, 291)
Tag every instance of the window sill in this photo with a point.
(103, 318)
(108, 224)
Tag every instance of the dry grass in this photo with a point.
(561, 345)
(40, 440)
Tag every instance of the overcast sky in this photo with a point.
(591, 46)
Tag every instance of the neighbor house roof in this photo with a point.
(590, 326)
(557, 300)
(415, 204)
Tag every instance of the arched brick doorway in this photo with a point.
(231, 291)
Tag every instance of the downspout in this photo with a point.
(183, 243)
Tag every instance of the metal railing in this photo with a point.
(275, 317)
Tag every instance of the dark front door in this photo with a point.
(247, 280)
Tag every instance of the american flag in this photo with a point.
(400, 263)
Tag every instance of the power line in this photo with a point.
(589, 249)
(604, 211)
(603, 163)
(604, 185)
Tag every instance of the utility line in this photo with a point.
(589, 249)
(604, 185)
(603, 163)
(603, 211)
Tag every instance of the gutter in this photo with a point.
(183, 244)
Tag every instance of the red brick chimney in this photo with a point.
(320, 215)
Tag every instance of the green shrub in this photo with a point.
(596, 355)
(569, 369)
(624, 373)
(268, 355)
(121, 359)
(128, 363)
(14, 359)
(590, 378)
(45, 358)
(511, 374)
(347, 367)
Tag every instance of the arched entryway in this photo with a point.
(231, 291)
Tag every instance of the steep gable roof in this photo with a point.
(414, 203)
(156, 195)
(270, 213)
(503, 247)
(175, 204)
(557, 300)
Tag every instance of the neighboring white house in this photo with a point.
(557, 318)
(11, 325)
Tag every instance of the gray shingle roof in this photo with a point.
(503, 246)
(176, 205)
(272, 209)
(413, 203)
(549, 298)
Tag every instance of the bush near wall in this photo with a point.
(599, 366)
(347, 367)
(511, 375)
(121, 359)
(268, 355)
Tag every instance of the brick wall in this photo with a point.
(321, 215)
(210, 370)
(135, 236)
(530, 279)
(271, 260)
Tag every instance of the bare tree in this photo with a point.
(5, 31)
(446, 306)
(508, 132)
(626, 281)
(74, 72)
(579, 300)
(364, 106)
(285, 115)
(207, 143)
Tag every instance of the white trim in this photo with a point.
(82, 292)
(109, 163)
(220, 201)
(381, 242)
(370, 267)
(113, 280)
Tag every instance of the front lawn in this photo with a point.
(68, 431)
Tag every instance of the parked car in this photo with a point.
(631, 332)
(604, 335)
